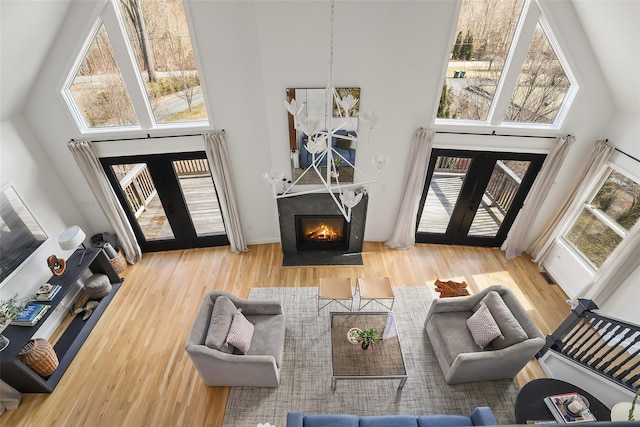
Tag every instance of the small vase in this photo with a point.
(365, 346)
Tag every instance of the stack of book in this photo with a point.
(560, 407)
(30, 315)
(47, 293)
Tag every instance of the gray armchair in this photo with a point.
(260, 366)
(460, 358)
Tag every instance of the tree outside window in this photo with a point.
(161, 47)
(485, 37)
(606, 218)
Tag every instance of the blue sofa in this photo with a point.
(336, 143)
(481, 416)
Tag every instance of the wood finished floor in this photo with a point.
(133, 370)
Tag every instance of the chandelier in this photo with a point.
(319, 146)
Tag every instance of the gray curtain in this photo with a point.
(218, 157)
(515, 242)
(590, 172)
(404, 235)
(94, 174)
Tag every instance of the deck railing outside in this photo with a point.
(191, 167)
(502, 186)
(604, 345)
(138, 188)
(135, 180)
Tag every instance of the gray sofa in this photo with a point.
(481, 416)
(260, 366)
(460, 358)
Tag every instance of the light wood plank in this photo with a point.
(133, 369)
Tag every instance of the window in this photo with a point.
(605, 218)
(504, 68)
(542, 84)
(98, 89)
(137, 70)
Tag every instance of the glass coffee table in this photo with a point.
(350, 362)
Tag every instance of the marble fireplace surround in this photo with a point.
(320, 204)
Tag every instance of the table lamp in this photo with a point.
(72, 237)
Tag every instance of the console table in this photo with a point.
(19, 375)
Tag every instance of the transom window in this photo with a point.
(605, 218)
(505, 68)
(137, 70)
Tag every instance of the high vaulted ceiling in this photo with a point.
(29, 27)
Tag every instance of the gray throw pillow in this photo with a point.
(240, 332)
(483, 327)
(221, 318)
(508, 324)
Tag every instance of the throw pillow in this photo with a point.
(241, 332)
(482, 326)
(221, 318)
(512, 332)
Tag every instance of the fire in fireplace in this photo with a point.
(327, 232)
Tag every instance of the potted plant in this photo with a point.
(8, 310)
(337, 162)
(368, 337)
(633, 406)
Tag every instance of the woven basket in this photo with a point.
(39, 355)
(119, 263)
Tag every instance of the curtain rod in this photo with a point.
(622, 152)
(497, 134)
(145, 137)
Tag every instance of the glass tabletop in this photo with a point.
(383, 360)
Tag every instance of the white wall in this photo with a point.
(250, 52)
(24, 166)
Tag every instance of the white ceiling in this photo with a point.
(613, 30)
(29, 27)
(27, 30)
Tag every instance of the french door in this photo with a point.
(472, 197)
(170, 200)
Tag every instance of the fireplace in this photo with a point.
(321, 232)
(314, 232)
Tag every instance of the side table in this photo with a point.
(332, 289)
(375, 289)
(530, 404)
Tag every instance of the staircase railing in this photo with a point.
(604, 345)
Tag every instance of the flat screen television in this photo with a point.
(20, 233)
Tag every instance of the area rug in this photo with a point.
(306, 372)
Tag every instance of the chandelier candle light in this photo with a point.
(320, 147)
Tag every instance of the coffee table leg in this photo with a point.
(402, 381)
